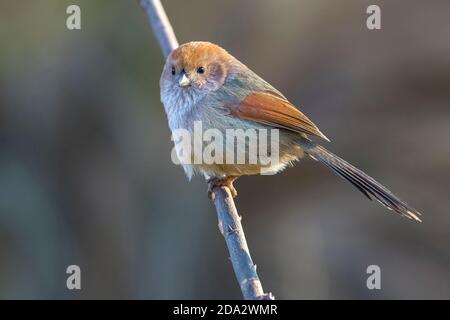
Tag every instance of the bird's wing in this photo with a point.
(274, 110)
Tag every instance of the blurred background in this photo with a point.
(86, 176)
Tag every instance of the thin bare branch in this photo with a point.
(231, 228)
(161, 25)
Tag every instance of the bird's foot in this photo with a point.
(221, 182)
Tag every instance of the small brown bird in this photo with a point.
(201, 82)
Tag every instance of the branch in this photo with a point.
(161, 25)
(231, 228)
(229, 221)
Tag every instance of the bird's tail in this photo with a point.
(367, 185)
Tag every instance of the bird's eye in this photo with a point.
(173, 71)
(201, 70)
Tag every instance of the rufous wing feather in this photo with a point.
(273, 110)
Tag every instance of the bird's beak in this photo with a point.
(184, 81)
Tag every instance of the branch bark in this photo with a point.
(229, 221)
(161, 25)
(231, 228)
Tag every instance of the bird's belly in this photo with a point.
(271, 165)
(231, 147)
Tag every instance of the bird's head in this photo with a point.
(193, 70)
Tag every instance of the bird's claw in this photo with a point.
(221, 182)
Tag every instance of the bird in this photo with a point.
(202, 83)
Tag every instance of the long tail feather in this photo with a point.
(364, 183)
